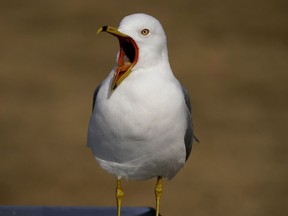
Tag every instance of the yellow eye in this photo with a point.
(145, 32)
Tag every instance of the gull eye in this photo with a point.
(145, 32)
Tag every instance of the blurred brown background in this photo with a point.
(232, 56)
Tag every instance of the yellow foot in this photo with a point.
(119, 196)
(158, 193)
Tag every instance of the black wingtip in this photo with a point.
(196, 139)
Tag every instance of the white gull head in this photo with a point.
(148, 34)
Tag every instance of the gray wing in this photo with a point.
(93, 105)
(95, 95)
(189, 131)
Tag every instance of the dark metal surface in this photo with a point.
(73, 211)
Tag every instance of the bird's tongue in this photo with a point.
(120, 71)
(123, 65)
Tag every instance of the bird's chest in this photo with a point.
(138, 112)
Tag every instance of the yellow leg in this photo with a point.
(119, 196)
(158, 193)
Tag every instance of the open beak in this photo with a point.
(128, 55)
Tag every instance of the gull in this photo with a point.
(141, 125)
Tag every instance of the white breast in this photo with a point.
(138, 132)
